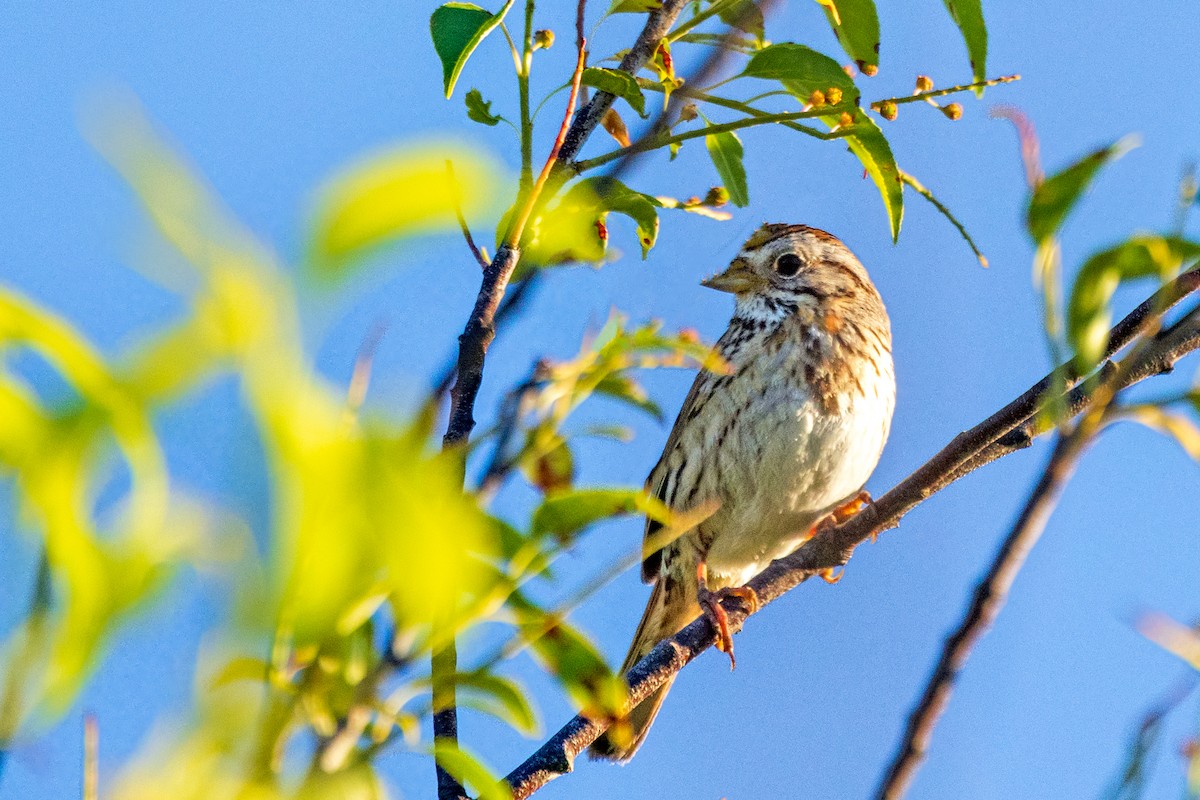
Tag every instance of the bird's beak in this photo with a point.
(736, 279)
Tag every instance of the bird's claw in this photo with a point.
(710, 605)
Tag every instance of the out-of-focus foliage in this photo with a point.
(374, 553)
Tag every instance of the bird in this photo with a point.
(780, 443)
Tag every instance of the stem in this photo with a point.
(922, 96)
(709, 130)
(700, 17)
(524, 68)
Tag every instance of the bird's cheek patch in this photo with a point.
(833, 323)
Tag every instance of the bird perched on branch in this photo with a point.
(781, 444)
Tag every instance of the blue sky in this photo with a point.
(268, 99)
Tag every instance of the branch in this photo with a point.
(480, 330)
(834, 547)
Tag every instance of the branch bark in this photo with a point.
(480, 330)
(967, 451)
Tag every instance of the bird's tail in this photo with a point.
(664, 617)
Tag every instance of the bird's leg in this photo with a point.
(837, 517)
(710, 605)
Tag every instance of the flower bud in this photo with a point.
(543, 40)
(887, 110)
(924, 84)
(688, 113)
(717, 196)
(834, 95)
(870, 70)
(845, 120)
(817, 98)
(953, 111)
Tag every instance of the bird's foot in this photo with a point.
(710, 605)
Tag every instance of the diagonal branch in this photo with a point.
(834, 547)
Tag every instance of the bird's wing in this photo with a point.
(659, 483)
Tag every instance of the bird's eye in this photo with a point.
(788, 265)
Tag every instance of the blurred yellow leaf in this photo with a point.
(399, 192)
(1174, 637)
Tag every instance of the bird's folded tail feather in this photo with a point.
(665, 616)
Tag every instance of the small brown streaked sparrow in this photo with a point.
(779, 444)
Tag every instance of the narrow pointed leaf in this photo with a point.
(856, 25)
(968, 16)
(725, 150)
(1053, 200)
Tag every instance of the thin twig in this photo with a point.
(834, 547)
(920, 189)
(921, 96)
(513, 238)
(989, 598)
(462, 221)
(656, 142)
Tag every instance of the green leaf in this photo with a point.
(616, 82)
(725, 150)
(457, 29)
(479, 109)
(566, 653)
(467, 769)
(571, 230)
(801, 70)
(624, 388)
(856, 25)
(396, 193)
(1053, 200)
(873, 150)
(968, 16)
(566, 514)
(1089, 316)
(551, 466)
(510, 703)
(241, 668)
(633, 6)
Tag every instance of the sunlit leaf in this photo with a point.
(400, 192)
(856, 24)
(1176, 638)
(1089, 316)
(469, 770)
(480, 110)
(725, 150)
(1053, 200)
(567, 654)
(626, 389)
(565, 514)
(803, 71)
(457, 29)
(575, 228)
(633, 6)
(616, 82)
(968, 16)
(241, 668)
(1177, 426)
(509, 699)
